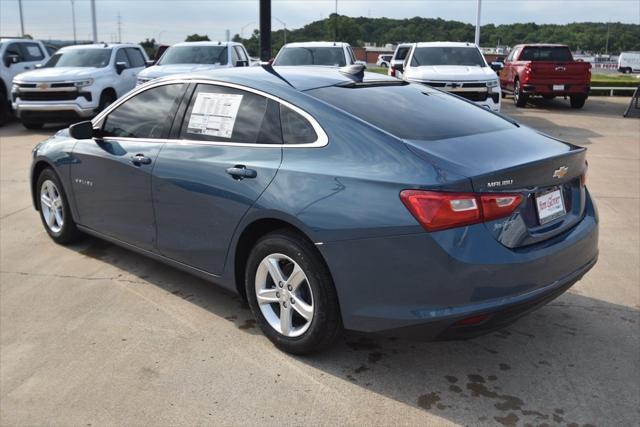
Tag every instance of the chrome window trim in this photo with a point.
(321, 141)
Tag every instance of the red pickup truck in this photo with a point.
(546, 70)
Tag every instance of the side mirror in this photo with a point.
(120, 67)
(398, 67)
(242, 63)
(11, 59)
(82, 130)
(360, 63)
(497, 66)
(150, 62)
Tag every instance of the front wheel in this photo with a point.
(291, 294)
(33, 125)
(577, 101)
(54, 209)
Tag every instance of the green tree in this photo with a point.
(149, 46)
(197, 38)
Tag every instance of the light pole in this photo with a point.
(21, 18)
(73, 18)
(93, 20)
(478, 23)
(285, 28)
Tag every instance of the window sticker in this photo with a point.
(34, 51)
(214, 114)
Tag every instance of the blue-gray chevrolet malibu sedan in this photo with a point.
(330, 199)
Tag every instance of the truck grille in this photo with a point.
(53, 96)
(472, 96)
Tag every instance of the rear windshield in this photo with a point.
(469, 56)
(333, 56)
(412, 111)
(97, 58)
(194, 55)
(546, 53)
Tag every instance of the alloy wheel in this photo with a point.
(52, 206)
(284, 295)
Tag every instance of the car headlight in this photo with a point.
(15, 87)
(492, 83)
(83, 83)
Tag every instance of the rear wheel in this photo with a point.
(577, 101)
(33, 125)
(291, 294)
(54, 208)
(520, 99)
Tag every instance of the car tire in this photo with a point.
(54, 208)
(4, 106)
(577, 101)
(384, 65)
(106, 99)
(269, 272)
(519, 99)
(33, 125)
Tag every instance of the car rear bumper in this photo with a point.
(547, 89)
(427, 282)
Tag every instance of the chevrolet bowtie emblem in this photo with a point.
(560, 172)
(43, 86)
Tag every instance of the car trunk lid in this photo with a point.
(519, 161)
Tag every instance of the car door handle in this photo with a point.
(140, 159)
(241, 172)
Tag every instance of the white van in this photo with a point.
(629, 62)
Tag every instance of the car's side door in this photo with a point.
(14, 62)
(32, 55)
(229, 149)
(111, 175)
(507, 74)
(126, 75)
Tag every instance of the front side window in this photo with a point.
(469, 56)
(412, 111)
(13, 50)
(32, 52)
(331, 56)
(295, 128)
(224, 114)
(121, 56)
(195, 55)
(147, 115)
(402, 52)
(97, 58)
(135, 57)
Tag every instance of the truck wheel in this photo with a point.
(106, 99)
(4, 107)
(520, 99)
(577, 101)
(33, 125)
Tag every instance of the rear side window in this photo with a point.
(331, 56)
(546, 53)
(295, 128)
(135, 57)
(147, 115)
(412, 111)
(224, 114)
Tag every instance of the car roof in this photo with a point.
(542, 45)
(7, 40)
(206, 43)
(316, 44)
(445, 44)
(98, 46)
(281, 79)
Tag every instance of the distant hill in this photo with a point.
(587, 36)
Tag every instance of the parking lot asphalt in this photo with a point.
(93, 334)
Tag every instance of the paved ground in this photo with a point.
(94, 334)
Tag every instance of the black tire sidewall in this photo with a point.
(326, 323)
(69, 231)
(106, 99)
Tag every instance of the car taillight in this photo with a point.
(436, 210)
(392, 72)
(583, 177)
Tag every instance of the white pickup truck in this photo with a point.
(18, 56)
(76, 83)
(458, 68)
(332, 54)
(190, 57)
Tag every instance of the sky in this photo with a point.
(169, 21)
